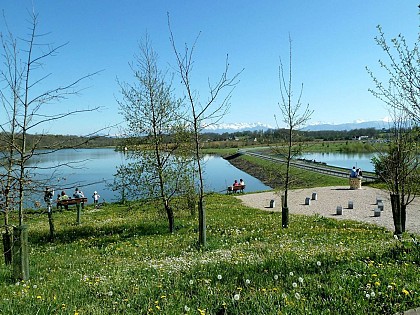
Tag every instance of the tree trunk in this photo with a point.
(7, 247)
(284, 217)
(170, 214)
(403, 216)
(51, 223)
(396, 213)
(201, 223)
(20, 253)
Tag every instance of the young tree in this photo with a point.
(155, 127)
(203, 113)
(399, 166)
(23, 99)
(294, 115)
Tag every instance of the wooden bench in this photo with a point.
(70, 202)
(234, 189)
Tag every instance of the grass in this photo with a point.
(121, 259)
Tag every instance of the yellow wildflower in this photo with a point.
(405, 292)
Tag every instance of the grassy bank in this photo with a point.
(272, 174)
(121, 260)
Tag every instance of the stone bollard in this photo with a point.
(377, 212)
(314, 196)
(378, 200)
(381, 206)
(272, 203)
(307, 201)
(350, 205)
(339, 210)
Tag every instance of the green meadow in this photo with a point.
(122, 260)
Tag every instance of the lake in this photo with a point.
(345, 160)
(93, 169)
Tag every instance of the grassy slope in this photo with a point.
(122, 260)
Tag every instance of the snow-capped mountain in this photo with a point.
(235, 127)
(258, 126)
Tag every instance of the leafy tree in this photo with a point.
(203, 113)
(156, 130)
(294, 115)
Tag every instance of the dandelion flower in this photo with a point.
(39, 297)
(405, 292)
(236, 297)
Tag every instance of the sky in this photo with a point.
(333, 41)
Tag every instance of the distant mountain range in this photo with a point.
(238, 127)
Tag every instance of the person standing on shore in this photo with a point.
(95, 198)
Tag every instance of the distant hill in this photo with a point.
(348, 126)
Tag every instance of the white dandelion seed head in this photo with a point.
(297, 296)
(318, 263)
(219, 277)
(247, 281)
(186, 308)
(291, 273)
(300, 279)
(276, 277)
(236, 297)
(294, 284)
(191, 282)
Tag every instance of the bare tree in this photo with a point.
(23, 99)
(294, 115)
(203, 113)
(157, 131)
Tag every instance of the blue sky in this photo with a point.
(333, 42)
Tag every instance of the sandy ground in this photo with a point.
(328, 198)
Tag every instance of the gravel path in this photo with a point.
(328, 198)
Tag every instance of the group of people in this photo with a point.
(77, 195)
(356, 172)
(240, 183)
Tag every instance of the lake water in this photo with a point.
(93, 169)
(345, 160)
